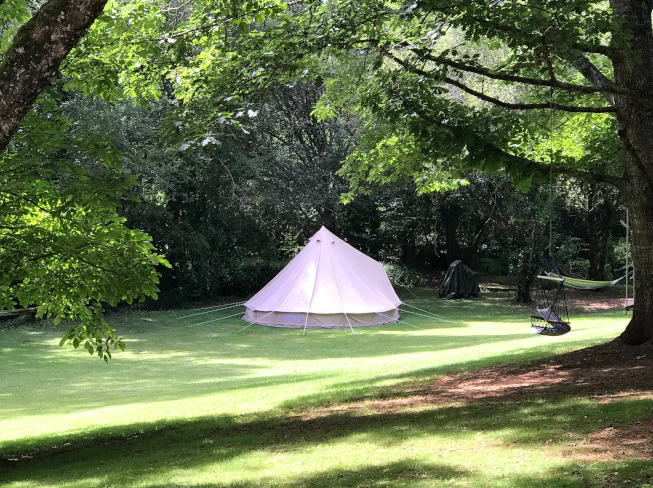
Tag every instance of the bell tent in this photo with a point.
(329, 284)
(459, 282)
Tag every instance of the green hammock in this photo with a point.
(582, 284)
(588, 284)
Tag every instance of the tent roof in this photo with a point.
(328, 276)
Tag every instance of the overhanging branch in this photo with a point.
(529, 166)
(528, 106)
(496, 101)
(606, 86)
(482, 150)
(38, 49)
(592, 74)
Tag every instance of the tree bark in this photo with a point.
(526, 268)
(640, 328)
(635, 126)
(36, 53)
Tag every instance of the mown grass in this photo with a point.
(214, 406)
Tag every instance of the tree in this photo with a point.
(441, 104)
(63, 245)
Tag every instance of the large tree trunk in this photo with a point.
(36, 53)
(635, 126)
(640, 206)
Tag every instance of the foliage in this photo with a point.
(64, 247)
(402, 275)
(422, 123)
(247, 110)
(13, 14)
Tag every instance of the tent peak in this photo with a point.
(324, 233)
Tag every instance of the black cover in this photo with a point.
(459, 282)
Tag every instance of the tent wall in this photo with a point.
(295, 320)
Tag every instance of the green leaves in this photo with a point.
(13, 14)
(64, 247)
(448, 82)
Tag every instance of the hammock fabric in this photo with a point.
(582, 284)
(587, 284)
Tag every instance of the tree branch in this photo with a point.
(175, 9)
(608, 86)
(482, 150)
(606, 51)
(35, 54)
(496, 101)
(515, 31)
(592, 74)
(222, 22)
(530, 166)
(529, 106)
(422, 55)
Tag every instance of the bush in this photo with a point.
(402, 275)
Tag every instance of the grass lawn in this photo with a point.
(214, 405)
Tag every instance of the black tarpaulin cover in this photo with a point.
(459, 282)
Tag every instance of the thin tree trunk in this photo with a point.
(36, 53)
(450, 221)
(526, 268)
(590, 223)
(599, 216)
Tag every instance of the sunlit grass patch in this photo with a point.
(215, 405)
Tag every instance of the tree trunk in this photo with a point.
(450, 223)
(640, 206)
(635, 126)
(36, 53)
(526, 268)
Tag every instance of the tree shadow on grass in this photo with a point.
(192, 373)
(206, 364)
(196, 444)
(628, 474)
(399, 473)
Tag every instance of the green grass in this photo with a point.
(214, 405)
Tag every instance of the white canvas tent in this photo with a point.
(328, 284)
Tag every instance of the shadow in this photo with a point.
(194, 445)
(631, 474)
(169, 361)
(397, 473)
(186, 365)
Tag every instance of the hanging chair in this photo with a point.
(550, 316)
